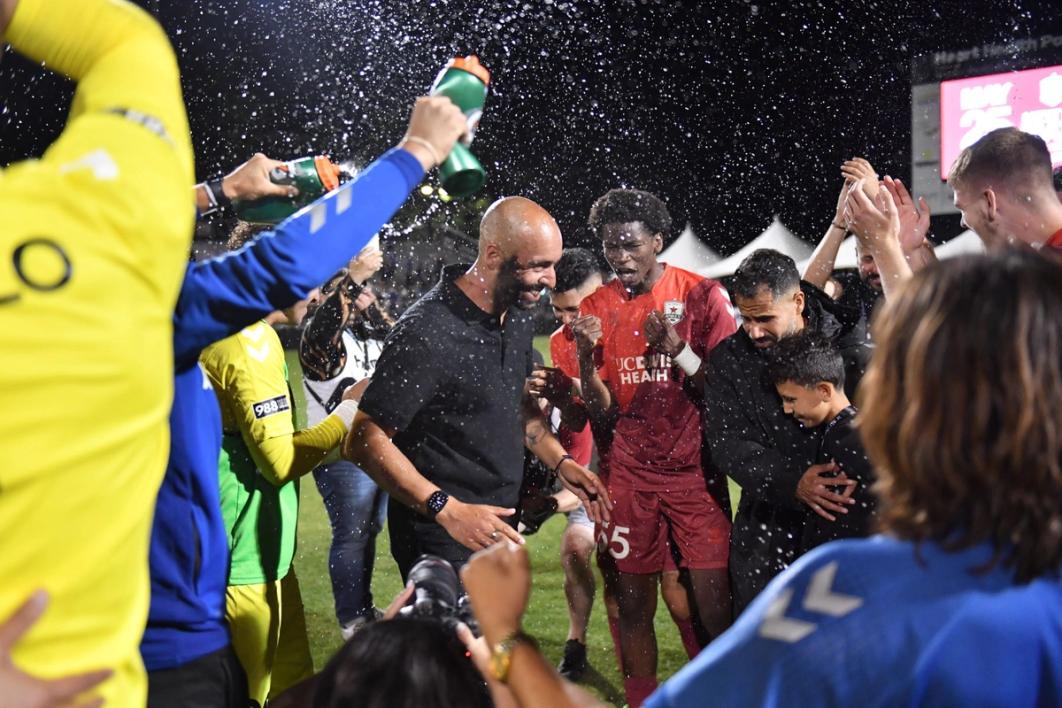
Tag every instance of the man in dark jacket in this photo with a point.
(751, 439)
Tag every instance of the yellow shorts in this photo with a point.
(269, 635)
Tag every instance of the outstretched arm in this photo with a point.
(222, 295)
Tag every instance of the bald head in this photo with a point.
(519, 243)
(512, 224)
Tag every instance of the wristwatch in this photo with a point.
(436, 502)
(501, 654)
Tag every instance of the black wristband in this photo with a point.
(563, 459)
(214, 187)
(350, 287)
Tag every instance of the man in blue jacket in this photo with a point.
(186, 643)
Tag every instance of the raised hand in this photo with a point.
(587, 331)
(551, 384)
(859, 169)
(251, 180)
(914, 220)
(434, 127)
(498, 582)
(661, 334)
(364, 265)
(874, 221)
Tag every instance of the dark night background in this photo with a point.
(731, 111)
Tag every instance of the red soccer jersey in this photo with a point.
(656, 444)
(565, 355)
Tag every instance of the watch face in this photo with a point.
(436, 502)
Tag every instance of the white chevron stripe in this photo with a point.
(254, 332)
(821, 598)
(344, 200)
(784, 629)
(318, 216)
(258, 353)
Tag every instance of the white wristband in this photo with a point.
(687, 361)
(346, 412)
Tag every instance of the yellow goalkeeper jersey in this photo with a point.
(93, 248)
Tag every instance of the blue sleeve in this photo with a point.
(222, 295)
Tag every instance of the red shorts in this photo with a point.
(649, 528)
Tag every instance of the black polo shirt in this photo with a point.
(450, 379)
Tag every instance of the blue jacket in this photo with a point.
(189, 547)
(879, 622)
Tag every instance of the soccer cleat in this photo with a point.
(574, 664)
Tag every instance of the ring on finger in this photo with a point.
(493, 535)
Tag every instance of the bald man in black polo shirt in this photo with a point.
(443, 424)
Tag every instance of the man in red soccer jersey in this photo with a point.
(577, 277)
(641, 340)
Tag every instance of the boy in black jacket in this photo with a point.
(808, 373)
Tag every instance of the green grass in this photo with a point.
(546, 618)
(547, 615)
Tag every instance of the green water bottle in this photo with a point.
(312, 176)
(464, 81)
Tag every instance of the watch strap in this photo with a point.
(501, 653)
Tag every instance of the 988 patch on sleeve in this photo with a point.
(271, 406)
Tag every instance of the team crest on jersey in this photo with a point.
(674, 311)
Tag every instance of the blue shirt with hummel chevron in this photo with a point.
(877, 622)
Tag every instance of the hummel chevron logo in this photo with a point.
(819, 598)
(254, 332)
(259, 353)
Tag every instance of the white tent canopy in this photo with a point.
(689, 252)
(965, 243)
(846, 257)
(776, 237)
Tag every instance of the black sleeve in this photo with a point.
(407, 376)
(321, 350)
(847, 451)
(737, 444)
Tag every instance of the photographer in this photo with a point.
(339, 347)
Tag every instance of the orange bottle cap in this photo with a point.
(328, 172)
(471, 65)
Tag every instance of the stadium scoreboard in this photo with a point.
(958, 96)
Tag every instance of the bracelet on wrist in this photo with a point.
(417, 140)
(501, 653)
(835, 225)
(563, 459)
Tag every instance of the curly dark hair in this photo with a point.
(574, 268)
(621, 206)
(765, 268)
(806, 359)
(962, 409)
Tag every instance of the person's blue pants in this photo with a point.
(356, 509)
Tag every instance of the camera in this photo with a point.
(437, 594)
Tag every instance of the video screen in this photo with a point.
(1030, 100)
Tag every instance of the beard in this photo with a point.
(510, 292)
